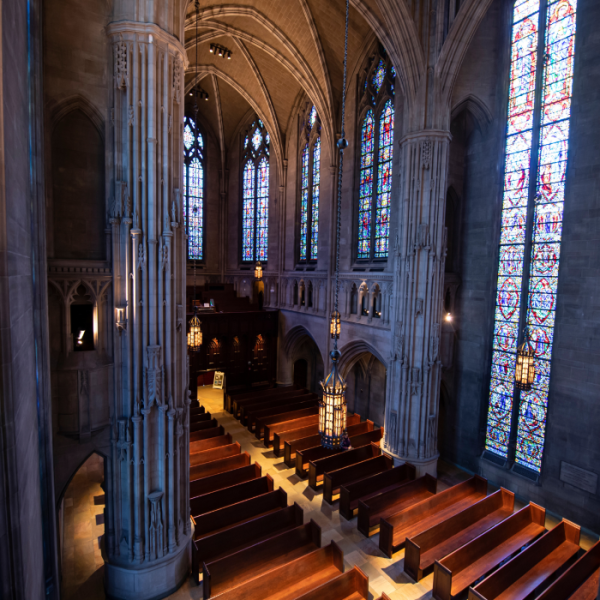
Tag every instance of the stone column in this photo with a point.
(415, 366)
(149, 555)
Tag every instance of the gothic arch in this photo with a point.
(65, 487)
(294, 338)
(73, 103)
(478, 109)
(353, 351)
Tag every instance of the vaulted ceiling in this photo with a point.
(281, 52)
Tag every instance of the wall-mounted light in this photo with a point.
(448, 318)
(220, 51)
(120, 318)
(80, 337)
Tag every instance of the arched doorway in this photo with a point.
(299, 345)
(301, 373)
(365, 394)
(81, 530)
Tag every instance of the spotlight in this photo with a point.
(449, 318)
(220, 51)
(228, 55)
(212, 49)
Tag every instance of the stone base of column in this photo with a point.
(423, 466)
(150, 581)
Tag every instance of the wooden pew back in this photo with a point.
(352, 584)
(205, 434)
(212, 454)
(244, 408)
(202, 425)
(309, 409)
(240, 399)
(254, 417)
(214, 442)
(219, 466)
(206, 485)
(198, 418)
(231, 396)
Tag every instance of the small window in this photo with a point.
(354, 301)
(295, 299)
(364, 306)
(377, 307)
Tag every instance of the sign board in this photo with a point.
(579, 478)
(219, 380)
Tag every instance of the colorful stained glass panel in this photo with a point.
(262, 211)
(366, 186)
(248, 211)
(384, 181)
(316, 191)
(304, 205)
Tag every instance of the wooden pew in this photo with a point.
(280, 438)
(248, 407)
(288, 425)
(206, 434)
(213, 454)
(200, 418)
(224, 480)
(202, 425)
(395, 528)
(433, 543)
(254, 394)
(197, 410)
(236, 569)
(219, 466)
(293, 579)
(352, 585)
(292, 447)
(372, 510)
(311, 409)
(239, 537)
(214, 442)
(381, 483)
(333, 480)
(231, 395)
(317, 468)
(305, 402)
(527, 574)
(453, 574)
(231, 495)
(238, 513)
(383, 596)
(580, 581)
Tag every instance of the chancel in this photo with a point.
(300, 299)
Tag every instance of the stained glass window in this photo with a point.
(255, 194)
(376, 157)
(310, 186)
(193, 189)
(552, 123)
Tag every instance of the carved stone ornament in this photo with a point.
(419, 306)
(434, 343)
(130, 116)
(176, 80)
(154, 375)
(179, 317)
(426, 149)
(141, 257)
(121, 78)
(156, 525)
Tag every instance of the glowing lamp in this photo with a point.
(335, 325)
(194, 337)
(258, 270)
(332, 409)
(449, 318)
(525, 368)
(80, 337)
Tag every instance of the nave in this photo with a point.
(438, 538)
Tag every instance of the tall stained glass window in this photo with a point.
(255, 194)
(543, 34)
(193, 188)
(310, 186)
(376, 156)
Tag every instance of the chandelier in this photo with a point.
(333, 408)
(194, 337)
(525, 368)
(258, 271)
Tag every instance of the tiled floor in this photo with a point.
(82, 562)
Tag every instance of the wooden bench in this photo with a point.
(433, 543)
(219, 466)
(395, 528)
(202, 425)
(231, 395)
(214, 442)
(306, 402)
(201, 417)
(212, 454)
(453, 574)
(297, 577)
(372, 510)
(239, 537)
(311, 410)
(288, 425)
(238, 513)
(292, 447)
(248, 407)
(236, 569)
(352, 585)
(231, 495)
(206, 434)
(333, 480)
(256, 395)
(580, 581)
(317, 468)
(527, 574)
(197, 410)
(381, 483)
(224, 480)
(290, 435)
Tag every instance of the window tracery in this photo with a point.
(193, 188)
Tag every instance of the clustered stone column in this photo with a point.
(149, 530)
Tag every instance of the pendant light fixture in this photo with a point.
(333, 408)
(525, 368)
(258, 271)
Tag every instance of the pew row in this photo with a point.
(258, 395)
(528, 573)
(202, 425)
(290, 435)
(219, 466)
(251, 406)
(239, 537)
(433, 543)
(214, 454)
(236, 569)
(231, 395)
(352, 585)
(317, 468)
(410, 521)
(580, 581)
(293, 579)
(381, 483)
(307, 409)
(198, 487)
(292, 447)
(205, 434)
(453, 574)
(214, 442)
(302, 402)
(198, 418)
(197, 410)
(206, 503)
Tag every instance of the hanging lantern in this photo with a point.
(525, 369)
(194, 337)
(258, 270)
(332, 409)
(335, 326)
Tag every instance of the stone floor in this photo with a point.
(82, 562)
